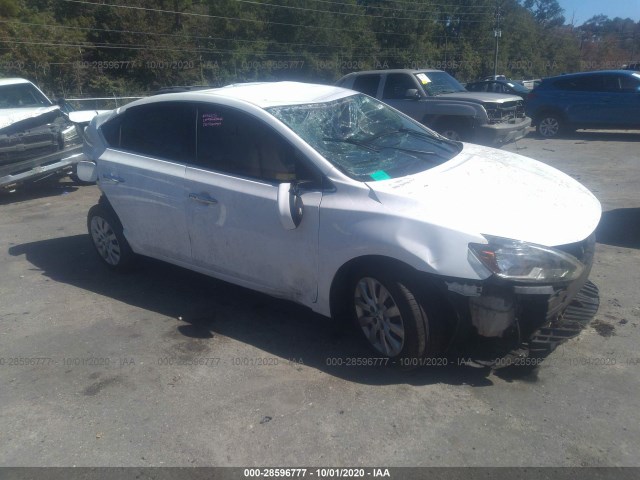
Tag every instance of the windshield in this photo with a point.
(365, 139)
(437, 83)
(22, 95)
(518, 87)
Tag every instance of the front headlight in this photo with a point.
(524, 262)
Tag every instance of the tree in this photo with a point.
(548, 13)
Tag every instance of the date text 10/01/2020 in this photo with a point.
(316, 472)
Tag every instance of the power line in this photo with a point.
(188, 37)
(455, 5)
(333, 12)
(267, 22)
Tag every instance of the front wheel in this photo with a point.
(105, 230)
(389, 315)
(549, 126)
(454, 130)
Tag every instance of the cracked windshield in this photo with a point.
(365, 139)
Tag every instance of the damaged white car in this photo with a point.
(334, 200)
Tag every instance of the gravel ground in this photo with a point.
(96, 368)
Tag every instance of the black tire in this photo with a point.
(389, 315)
(106, 235)
(550, 125)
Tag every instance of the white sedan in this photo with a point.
(334, 200)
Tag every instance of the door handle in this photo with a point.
(203, 199)
(112, 178)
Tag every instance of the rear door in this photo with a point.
(142, 174)
(587, 103)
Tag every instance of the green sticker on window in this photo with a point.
(380, 175)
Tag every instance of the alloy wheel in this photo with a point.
(105, 240)
(379, 316)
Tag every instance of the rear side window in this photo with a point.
(161, 130)
(477, 87)
(367, 84)
(111, 131)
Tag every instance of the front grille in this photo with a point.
(574, 319)
(505, 112)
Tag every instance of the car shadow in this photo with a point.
(208, 309)
(620, 228)
(593, 136)
(602, 136)
(42, 189)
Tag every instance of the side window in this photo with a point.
(611, 83)
(234, 142)
(397, 85)
(162, 130)
(367, 84)
(111, 131)
(591, 83)
(628, 84)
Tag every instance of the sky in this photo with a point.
(583, 10)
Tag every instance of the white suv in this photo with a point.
(334, 200)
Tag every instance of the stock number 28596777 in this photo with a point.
(357, 361)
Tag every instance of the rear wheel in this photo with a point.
(105, 230)
(388, 313)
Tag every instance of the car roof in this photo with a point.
(13, 81)
(493, 81)
(260, 94)
(395, 70)
(594, 72)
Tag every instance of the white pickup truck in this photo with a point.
(37, 139)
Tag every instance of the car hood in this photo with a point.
(481, 97)
(84, 116)
(488, 191)
(9, 116)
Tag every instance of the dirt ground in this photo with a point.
(164, 367)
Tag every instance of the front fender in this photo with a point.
(436, 109)
(372, 231)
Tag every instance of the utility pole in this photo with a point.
(497, 33)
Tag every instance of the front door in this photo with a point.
(232, 210)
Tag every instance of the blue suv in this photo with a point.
(608, 99)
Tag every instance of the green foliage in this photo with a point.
(97, 48)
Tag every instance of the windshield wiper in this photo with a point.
(352, 142)
(440, 138)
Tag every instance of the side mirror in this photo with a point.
(87, 171)
(412, 94)
(290, 206)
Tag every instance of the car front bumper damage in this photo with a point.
(505, 318)
(502, 133)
